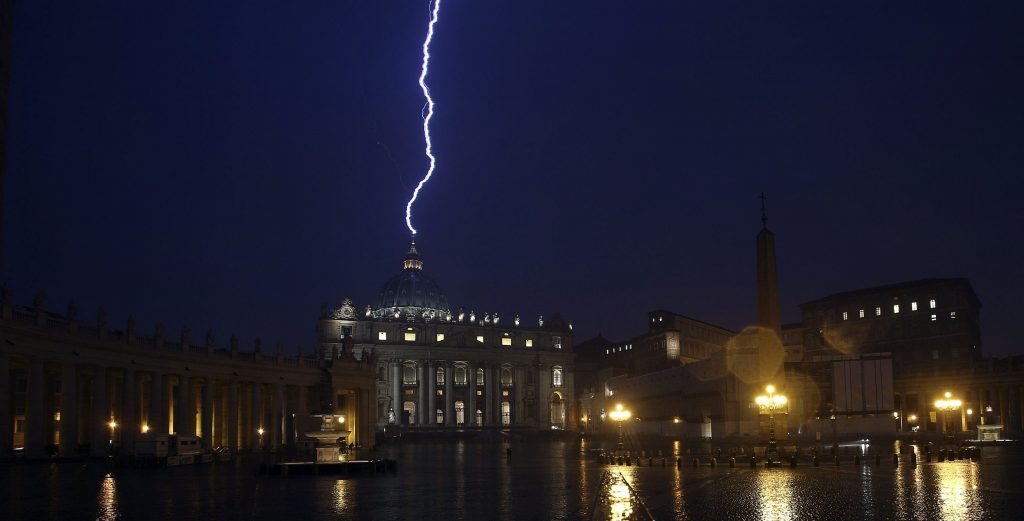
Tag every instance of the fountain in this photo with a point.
(327, 432)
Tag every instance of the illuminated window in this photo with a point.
(913, 306)
(440, 337)
(895, 308)
(556, 341)
(504, 392)
(439, 374)
(479, 392)
(440, 392)
(529, 342)
(506, 413)
(506, 376)
(382, 335)
(556, 376)
(845, 315)
(480, 376)
(409, 375)
(460, 375)
(952, 314)
(480, 338)
(410, 336)
(460, 413)
(931, 303)
(861, 313)
(878, 311)
(606, 351)
(934, 317)
(440, 416)
(506, 341)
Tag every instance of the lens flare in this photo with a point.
(427, 113)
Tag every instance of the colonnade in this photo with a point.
(47, 405)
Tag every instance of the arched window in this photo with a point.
(506, 376)
(556, 376)
(460, 413)
(460, 375)
(480, 377)
(557, 411)
(479, 418)
(506, 413)
(408, 413)
(409, 375)
(440, 376)
(440, 416)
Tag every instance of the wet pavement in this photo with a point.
(544, 480)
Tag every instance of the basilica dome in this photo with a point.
(412, 294)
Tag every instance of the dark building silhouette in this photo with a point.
(768, 315)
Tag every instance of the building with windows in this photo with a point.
(440, 369)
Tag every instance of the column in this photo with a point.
(157, 405)
(396, 390)
(432, 393)
(68, 410)
(471, 406)
(180, 399)
(421, 405)
(518, 407)
(277, 417)
(245, 410)
(128, 423)
(6, 420)
(35, 411)
(491, 415)
(206, 418)
(449, 400)
(257, 416)
(100, 413)
(232, 415)
(303, 405)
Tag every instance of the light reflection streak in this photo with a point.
(957, 491)
(108, 500)
(340, 497)
(775, 495)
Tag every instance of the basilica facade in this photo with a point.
(442, 369)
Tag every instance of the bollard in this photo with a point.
(942, 456)
(913, 459)
(753, 461)
(638, 461)
(628, 461)
(643, 453)
(620, 460)
(732, 463)
(895, 459)
(856, 459)
(663, 461)
(792, 461)
(814, 460)
(650, 461)
(927, 457)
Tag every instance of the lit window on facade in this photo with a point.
(506, 413)
(529, 342)
(934, 317)
(410, 336)
(607, 351)
(480, 377)
(460, 375)
(913, 306)
(409, 375)
(878, 311)
(440, 392)
(556, 376)
(382, 335)
(440, 337)
(895, 308)
(845, 315)
(440, 416)
(480, 338)
(440, 376)
(931, 303)
(556, 342)
(506, 376)
(506, 341)
(952, 314)
(861, 313)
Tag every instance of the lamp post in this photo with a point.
(770, 403)
(619, 415)
(945, 405)
(260, 432)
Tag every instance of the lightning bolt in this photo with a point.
(428, 108)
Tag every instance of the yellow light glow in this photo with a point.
(948, 394)
(259, 431)
(761, 400)
(341, 419)
(970, 411)
(112, 424)
(779, 400)
(676, 420)
(620, 414)
(145, 428)
(770, 389)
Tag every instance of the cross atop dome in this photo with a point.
(412, 260)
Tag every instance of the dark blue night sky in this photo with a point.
(234, 164)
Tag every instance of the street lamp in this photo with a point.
(260, 432)
(770, 403)
(945, 405)
(619, 415)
